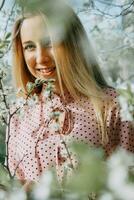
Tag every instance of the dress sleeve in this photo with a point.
(125, 130)
(120, 133)
(11, 143)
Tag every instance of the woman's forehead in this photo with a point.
(34, 28)
(37, 29)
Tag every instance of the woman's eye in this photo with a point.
(29, 47)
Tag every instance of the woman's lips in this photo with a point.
(46, 70)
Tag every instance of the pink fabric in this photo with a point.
(34, 147)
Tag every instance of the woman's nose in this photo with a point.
(42, 56)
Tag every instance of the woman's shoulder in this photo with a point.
(108, 94)
(111, 92)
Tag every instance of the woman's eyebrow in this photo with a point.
(27, 42)
(43, 41)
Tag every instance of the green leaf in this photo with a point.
(124, 93)
(4, 176)
(2, 45)
(38, 81)
(8, 35)
(2, 159)
(30, 87)
(1, 52)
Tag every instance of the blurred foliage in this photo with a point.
(88, 176)
(92, 179)
(113, 35)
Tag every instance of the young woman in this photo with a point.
(47, 45)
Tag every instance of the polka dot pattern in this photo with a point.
(34, 147)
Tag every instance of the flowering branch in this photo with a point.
(54, 116)
(9, 16)
(18, 165)
(2, 89)
(11, 114)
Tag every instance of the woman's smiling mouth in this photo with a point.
(45, 70)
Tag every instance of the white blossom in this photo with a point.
(126, 109)
(32, 101)
(126, 90)
(107, 196)
(49, 105)
(123, 102)
(2, 73)
(42, 189)
(2, 195)
(20, 102)
(17, 194)
(21, 113)
(19, 90)
(129, 41)
(121, 2)
(129, 29)
(126, 115)
(118, 165)
(127, 191)
(54, 126)
(46, 93)
(120, 157)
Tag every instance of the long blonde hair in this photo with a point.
(76, 64)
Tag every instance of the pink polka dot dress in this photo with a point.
(35, 147)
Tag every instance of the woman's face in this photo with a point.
(37, 48)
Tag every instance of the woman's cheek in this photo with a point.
(30, 61)
(51, 52)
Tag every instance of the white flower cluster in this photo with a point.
(2, 195)
(2, 73)
(33, 100)
(129, 41)
(14, 194)
(17, 194)
(3, 112)
(46, 93)
(120, 2)
(48, 90)
(118, 183)
(43, 187)
(54, 126)
(126, 109)
(126, 100)
(20, 102)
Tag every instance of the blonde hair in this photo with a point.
(76, 64)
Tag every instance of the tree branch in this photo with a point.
(18, 165)
(3, 94)
(125, 11)
(112, 4)
(122, 13)
(2, 4)
(113, 49)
